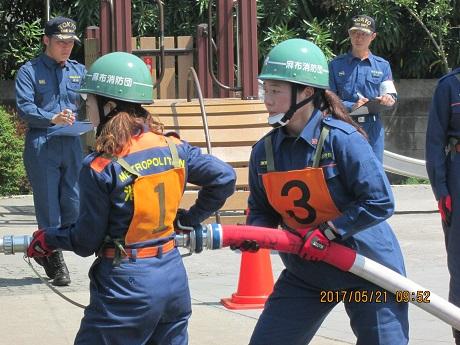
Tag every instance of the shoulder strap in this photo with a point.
(316, 158)
(319, 147)
(269, 153)
(126, 166)
(174, 153)
(122, 162)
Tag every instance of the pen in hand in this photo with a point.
(362, 100)
(65, 117)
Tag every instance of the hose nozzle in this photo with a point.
(10, 244)
(201, 237)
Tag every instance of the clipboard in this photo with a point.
(76, 129)
(371, 107)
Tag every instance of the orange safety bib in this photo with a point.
(156, 200)
(301, 197)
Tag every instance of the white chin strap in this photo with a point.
(282, 119)
(277, 120)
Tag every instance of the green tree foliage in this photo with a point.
(13, 180)
(23, 45)
(436, 30)
(13, 14)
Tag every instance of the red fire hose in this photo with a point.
(338, 255)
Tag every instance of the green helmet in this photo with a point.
(298, 61)
(120, 76)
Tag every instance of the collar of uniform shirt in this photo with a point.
(310, 132)
(370, 58)
(51, 63)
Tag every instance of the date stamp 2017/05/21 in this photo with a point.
(353, 296)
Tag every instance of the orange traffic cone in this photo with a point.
(255, 283)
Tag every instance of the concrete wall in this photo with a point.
(405, 126)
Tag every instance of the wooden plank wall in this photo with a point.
(174, 82)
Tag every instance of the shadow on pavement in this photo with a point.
(11, 282)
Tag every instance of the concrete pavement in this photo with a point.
(33, 314)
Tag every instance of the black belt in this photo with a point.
(456, 148)
(365, 118)
(454, 144)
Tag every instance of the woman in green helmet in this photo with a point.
(131, 187)
(316, 175)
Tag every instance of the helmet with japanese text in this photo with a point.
(297, 61)
(119, 76)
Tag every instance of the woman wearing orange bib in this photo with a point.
(131, 187)
(316, 175)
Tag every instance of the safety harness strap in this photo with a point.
(126, 166)
(269, 153)
(174, 153)
(319, 147)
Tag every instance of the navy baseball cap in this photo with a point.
(61, 28)
(363, 23)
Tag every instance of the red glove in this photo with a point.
(315, 245)
(445, 209)
(38, 247)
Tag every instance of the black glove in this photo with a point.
(250, 246)
(181, 223)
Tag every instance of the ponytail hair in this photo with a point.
(124, 122)
(328, 102)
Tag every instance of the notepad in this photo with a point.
(77, 128)
(372, 107)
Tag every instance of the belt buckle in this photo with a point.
(361, 119)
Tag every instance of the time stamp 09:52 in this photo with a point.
(373, 296)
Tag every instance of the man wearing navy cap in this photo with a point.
(46, 98)
(359, 76)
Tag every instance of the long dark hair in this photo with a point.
(331, 104)
(124, 122)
